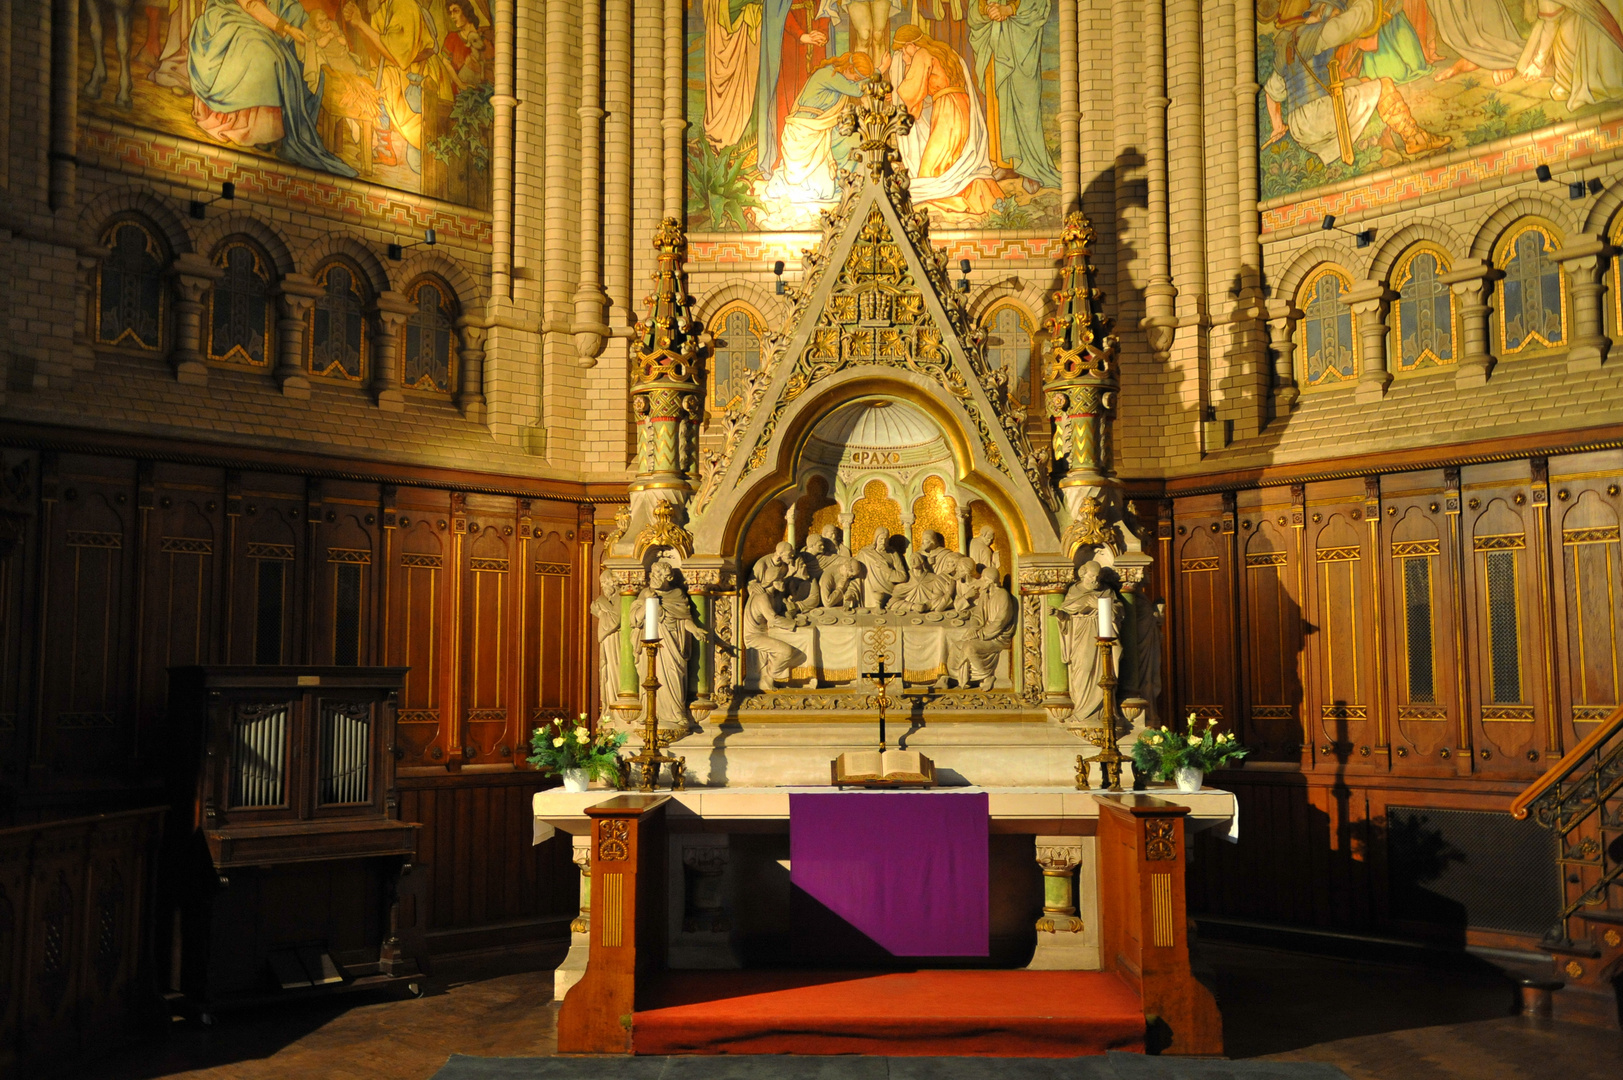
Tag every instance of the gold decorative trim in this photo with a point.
(1600, 534)
(1207, 712)
(412, 559)
(1160, 841)
(1161, 935)
(1422, 712)
(492, 566)
(1522, 714)
(1500, 542)
(1338, 554)
(663, 532)
(1266, 558)
(1200, 565)
(1403, 549)
(1273, 712)
(352, 556)
(552, 569)
(186, 545)
(417, 716)
(282, 552)
(613, 888)
(1344, 712)
(612, 840)
(1589, 714)
(84, 538)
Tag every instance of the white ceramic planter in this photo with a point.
(576, 779)
(1188, 779)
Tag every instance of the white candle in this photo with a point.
(1107, 616)
(650, 619)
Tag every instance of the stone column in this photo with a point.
(502, 103)
(193, 275)
(1472, 281)
(389, 317)
(1282, 316)
(1160, 298)
(700, 927)
(1067, 935)
(1586, 258)
(84, 287)
(295, 295)
(591, 302)
(470, 380)
(963, 528)
(573, 968)
(1370, 301)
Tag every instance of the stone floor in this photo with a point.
(1449, 1020)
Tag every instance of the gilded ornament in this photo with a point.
(663, 532)
(1087, 528)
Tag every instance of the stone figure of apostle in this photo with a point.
(973, 660)
(884, 570)
(924, 591)
(606, 610)
(774, 570)
(1144, 680)
(840, 584)
(774, 656)
(678, 630)
(983, 550)
(943, 560)
(1079, 642)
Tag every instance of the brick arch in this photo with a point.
(772, 309)
(1309, 260)
(1603, 214)
(216, 231)
(465, 290)
(349, 247)
(1502, 220)
(1028, 295)
(1396, 246)
(169, 226)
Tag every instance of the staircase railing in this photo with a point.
(1570, 793)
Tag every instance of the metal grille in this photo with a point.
(346, 621)
(1504, 648)
(345, 752)
(259, 755)
(268, 611)
(1471, 868)
(1417, 614)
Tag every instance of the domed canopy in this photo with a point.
(876, 434)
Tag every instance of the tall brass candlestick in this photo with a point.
(1104, 736)
(652, 755)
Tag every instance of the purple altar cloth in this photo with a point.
(906, 870)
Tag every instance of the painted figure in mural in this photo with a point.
(884, 570)
(347, 88)
(946, 153)
(732, 67)
(1480, 33)
(1311, 98)
(678, 629)
(867, 24)
(1144, 680)
(405, 38)
(840, 584)
(606, 611)
(947, 20)
(1079, 642)
(924, 591)
(1579, 45)
(468, 48)
(810, 148)
(1008, 44)
(171, 64)
(248, 81)
(774, 656)
(794, 43)
(983, 550)
(974, 659)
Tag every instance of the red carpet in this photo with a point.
(931, 1013)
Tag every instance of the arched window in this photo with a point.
(335, 336)
(1327, 344)
(425, 347)
(1425, 315)
(1008, 348)
(239, 316)
(737, 350)
(1533, 295)
(130, 289)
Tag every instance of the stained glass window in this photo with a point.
(1425, 313)
(737, 350)
(335, 337)
(1532, 309)
(1008, 348)
(426, 343)
(239, 307)
(1327, 331)
(130, 291)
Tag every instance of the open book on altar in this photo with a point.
(888, 768)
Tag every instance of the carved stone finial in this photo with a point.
(1087, 527)
(1081, 376)
(665, 391)
(663, 532)
(880, 120)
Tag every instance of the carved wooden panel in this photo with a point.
(1207, 624)
(19, 490)
(1341, 659)
(1271, 615)
(1586, 507)
(553, 623)
(346, 568)
(488, 628)
(268, 569)
(416, 617)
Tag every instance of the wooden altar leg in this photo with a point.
(574, 966)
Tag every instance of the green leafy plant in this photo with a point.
(717, 186)
(1008, 214)
(559, 747)
(472, 117)
(1161, 752)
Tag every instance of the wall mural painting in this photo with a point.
(396, 92)
(768, 79)
(1351, 86)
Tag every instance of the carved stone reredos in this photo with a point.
(877, 316)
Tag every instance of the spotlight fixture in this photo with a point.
(1361, 237)
(777, 268)
(398, 251)
(228, 191)
(1543, 174)
(963, 268)
(1576, 189)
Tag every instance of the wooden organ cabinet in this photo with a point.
(289, 873)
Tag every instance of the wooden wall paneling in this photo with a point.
(1503, 530)
(1587, 598)
(417, 626)
(1418, 563)
(1207, 627)
(489, 629)
(346, 545)
(19, 511)
(1271, 626)
(1339, 640)
(556, 618)
(266, 618)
